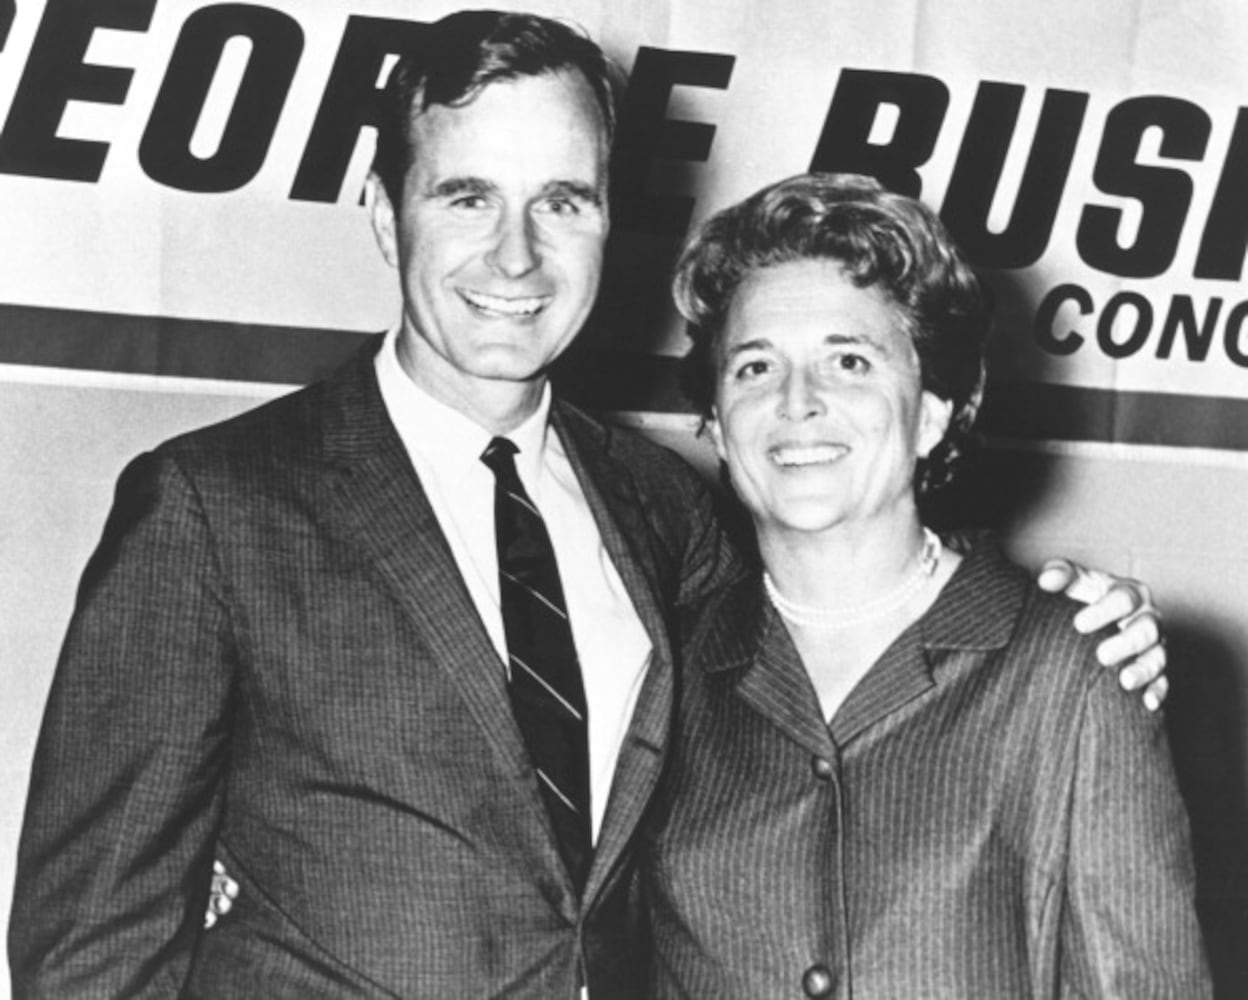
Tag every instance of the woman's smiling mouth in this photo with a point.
(800, 455)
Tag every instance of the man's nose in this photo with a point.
(515, 251)
(800, 397)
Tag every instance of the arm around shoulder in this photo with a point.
(126, 789)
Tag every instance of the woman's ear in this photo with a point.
(934, 416)
(717, 434)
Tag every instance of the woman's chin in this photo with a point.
(812, 517)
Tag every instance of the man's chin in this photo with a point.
(511, 360)
(510, 366)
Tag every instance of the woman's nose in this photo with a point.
(800, 397)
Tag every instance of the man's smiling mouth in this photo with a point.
(799, 455)
(498, 306)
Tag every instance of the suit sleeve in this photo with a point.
(1130, 928)
(126, 789)
(712, 553)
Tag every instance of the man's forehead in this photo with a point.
(511, 131)
(542, 99)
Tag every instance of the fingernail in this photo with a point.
(1151, 702)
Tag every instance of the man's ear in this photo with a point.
(381, 215)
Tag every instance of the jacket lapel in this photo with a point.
(974, 612)
(747, 643)
(376, 494)
(618, 510)
(899, 676)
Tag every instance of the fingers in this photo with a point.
(1111, 600)
(1137, 634)
(1056, 575)
(1137, 648)
(221, 895)
(1156, 693)
(1147, 671)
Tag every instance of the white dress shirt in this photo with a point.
(612, 646)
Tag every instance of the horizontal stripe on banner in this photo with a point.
(162, 345)
(600, 380)
(1039, 411)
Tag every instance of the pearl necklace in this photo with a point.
(831, 619)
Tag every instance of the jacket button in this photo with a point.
(822, 767)
(817, 981)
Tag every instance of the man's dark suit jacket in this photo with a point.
(274, 661)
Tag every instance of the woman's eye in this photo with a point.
(752, 369)
(855, 364)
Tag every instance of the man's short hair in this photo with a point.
(880, 240)
(454, 58)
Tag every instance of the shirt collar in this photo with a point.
(459, 440)
(530, 437)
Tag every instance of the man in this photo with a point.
(295, 650)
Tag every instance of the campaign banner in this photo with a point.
(180, 185)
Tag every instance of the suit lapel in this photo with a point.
(898, 677)
(974, 612)
(621, 518)
(376, 494)
(745, 641)
(749, 637)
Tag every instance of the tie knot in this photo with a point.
(499, 455)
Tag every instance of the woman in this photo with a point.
(899, 772)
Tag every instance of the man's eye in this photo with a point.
(468, 201)
(561, 206)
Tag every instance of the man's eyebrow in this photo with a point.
(453, 187)
(574, 190)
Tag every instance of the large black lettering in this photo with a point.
(981, 161)
(1182, 315)
(1222, 248)
(164, 151)
(646, 133)
(55, 74)
(844, 144)
(1163, 193)
(7, 12)
(1234, 325)
(351, 102)
(1136, 336)
(1046, 314)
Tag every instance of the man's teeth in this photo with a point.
(504, 307)
(810, 454)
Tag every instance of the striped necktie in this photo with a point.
(544, 678)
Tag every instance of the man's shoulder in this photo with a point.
(648, 462)
(290, 426)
